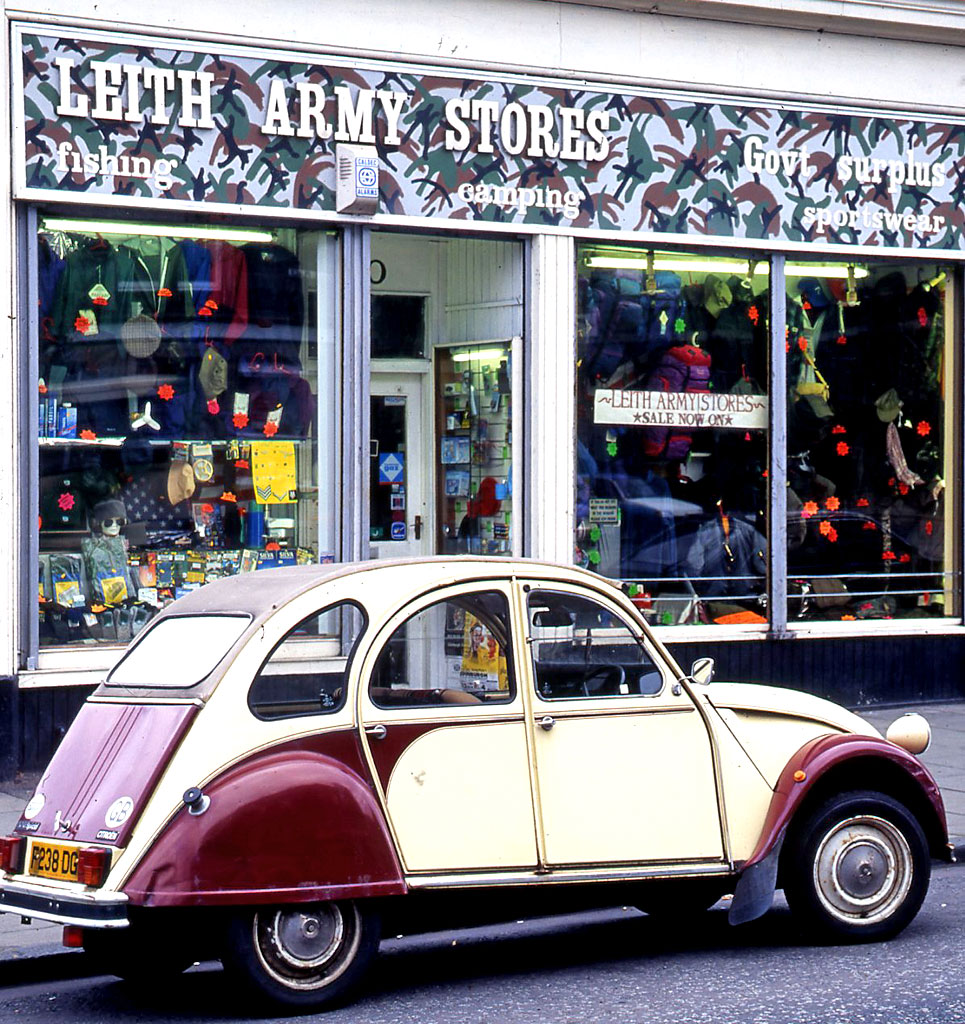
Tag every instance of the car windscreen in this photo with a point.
(177, 653)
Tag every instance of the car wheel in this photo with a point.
(858, 868)
(305, 956)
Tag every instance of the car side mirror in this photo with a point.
(702, 671)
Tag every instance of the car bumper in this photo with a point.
(102, 909)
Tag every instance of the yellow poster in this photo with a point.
(273, 472)
(482, 657)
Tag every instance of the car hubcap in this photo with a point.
(863, 869)
(306, 947)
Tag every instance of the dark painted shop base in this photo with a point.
(854, 672)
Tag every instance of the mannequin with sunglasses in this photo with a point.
(105, 555)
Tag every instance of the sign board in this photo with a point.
(683, 409)
(391, 467)
(123, 120)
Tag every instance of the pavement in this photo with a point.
(33, 952)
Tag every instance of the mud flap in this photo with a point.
(755, 890)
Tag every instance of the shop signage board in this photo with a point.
(680, 409)
(146, 122)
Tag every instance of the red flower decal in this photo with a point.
(810, 509)
(99, 301)
(805, 304)
(924, 428)
(213, 407)
(207, 508)
(802, 343)
(825, 528)
(165, 293)
(787, 346)
(833, 535)
(240, 420)
(204, 311)
(887, 556)
(903, 489)
(862, 503)
(82, 325)
(270, 429)
(88, 435)
(905, 558)
(929, 527)
(922, 316)
(842, 339)
(842, 448)
(242, 464)
(839, 429)
(211, 304)
(869, 526)
(753, 314)
(832, 504)
(65, 502)
(165, 392)
(273, 545)
(891, 481)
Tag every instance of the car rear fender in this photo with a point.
(825, 765)
(288, 825)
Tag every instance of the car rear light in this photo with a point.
(73, 936)
(11, 853)
(93, 863)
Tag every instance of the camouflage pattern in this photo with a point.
(675, 166)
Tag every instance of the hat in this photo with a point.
(109, 509)
(485, 502)
(213, 374)
(140, 336)
(888, 405)
(717, 296)
(180, 482)
(813, 293)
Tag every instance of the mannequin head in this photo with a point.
(108, 518)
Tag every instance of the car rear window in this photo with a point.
(178, 652)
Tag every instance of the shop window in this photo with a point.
(584, 649)
(180, 389)
(871, 379)
(398, 326)
(307, 673)
(455, 652)
(671, 474)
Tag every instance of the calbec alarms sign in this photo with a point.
(132, 121)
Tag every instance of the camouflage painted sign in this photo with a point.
(114, 120)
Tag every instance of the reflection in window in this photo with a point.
(307, 673)
(870, 385)
(671, 431)
(453, 652)
(178, 397)
(583, 649)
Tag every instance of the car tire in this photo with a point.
(304, 956)
(857, 868)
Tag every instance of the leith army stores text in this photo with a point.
(445, 731)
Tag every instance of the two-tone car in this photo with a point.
(283, 765)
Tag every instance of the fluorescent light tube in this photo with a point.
(115, 227)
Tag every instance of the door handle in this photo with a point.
(377, 732)
(547, 722)
(417, 527)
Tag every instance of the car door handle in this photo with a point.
(547, 722)
(377, 732)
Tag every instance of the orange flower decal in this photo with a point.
(240, 420)
(88, 435)
(802, 343)
(228, 496)
(842, 448)
(270, 429)
(848, 618)
(825, 528)
(207, 508)
(842, 340)
(924, 428)
(839, 429)
(165, 392)
(164, 293)
(832, 504)
(810, 509)
(82, 325)
(273, 545)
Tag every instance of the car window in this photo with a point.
(454, 652)
(582, 648)
(307, 671)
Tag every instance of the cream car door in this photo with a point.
(445, 732)
(624, 763)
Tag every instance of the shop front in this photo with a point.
(279, 309)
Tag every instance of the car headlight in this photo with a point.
(911, 732)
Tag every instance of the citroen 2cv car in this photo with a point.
(283, 765)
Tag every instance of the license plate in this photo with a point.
(51, 860)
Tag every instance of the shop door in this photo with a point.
(398, 503)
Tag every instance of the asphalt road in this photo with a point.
(612, 966)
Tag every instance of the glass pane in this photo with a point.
(159, 660)
(183, 381)
(871, 377)
(474, 418)
(398, 326)
(582, 649)
(387, 474)
(672, 430)
(307, 673)
(453, 652)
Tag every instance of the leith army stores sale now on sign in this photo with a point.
(117, 121)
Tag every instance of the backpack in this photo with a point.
(683, 368)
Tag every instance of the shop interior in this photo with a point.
(679, 511)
